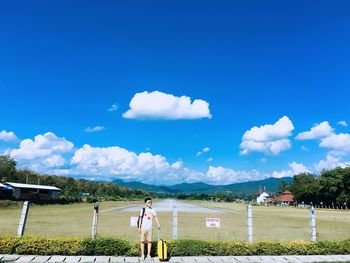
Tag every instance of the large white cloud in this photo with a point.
(337, 142)
(44, 145)
(119, 162)
(330, 163)
(115, 160)
(298, 168)
(8, 136)
(159, 105)
(295, 169)
(221, 175)
(42, 153)
(318, 131)
(269, 138)
(272, 147)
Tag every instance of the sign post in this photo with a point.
(95, 220)
(312, 225)
(23, 219)
(174, 222)
(250, 223)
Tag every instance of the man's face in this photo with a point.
(149, 203)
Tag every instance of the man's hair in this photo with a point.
(147, 199)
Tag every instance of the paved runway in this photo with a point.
(167, 206)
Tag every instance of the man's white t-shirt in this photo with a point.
(147, 220)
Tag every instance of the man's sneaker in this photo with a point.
(148, 258)
(142, 258)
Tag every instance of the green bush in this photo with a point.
(10, 204)
(50, 246)
(106, 246)
(118, 247)
(8, 244)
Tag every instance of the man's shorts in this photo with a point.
(146, 235)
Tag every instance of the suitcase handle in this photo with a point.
(158, 234)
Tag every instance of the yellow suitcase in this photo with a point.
(162, 249)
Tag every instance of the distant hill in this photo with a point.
(246, 188)
(142, 186)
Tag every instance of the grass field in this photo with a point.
(270, 223)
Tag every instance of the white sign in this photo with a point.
(133, 221)
(212, 222)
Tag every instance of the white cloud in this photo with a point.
(95, 129)
(8, 136)
(119, 162)
(343, 123)
(298, 168)
(295, 168)
(203, 151)
(337, 142)
(210, 159)
(283, 173)
(281, 129)
(318, 131)
(222, 175)
(43, 146)
(114, 107)
(42, 153)
(159, 105)
(268, 139)
(206, 149)
(330, 163)
(55, 160)
(272, 147)
(178, 165)
(115, 160)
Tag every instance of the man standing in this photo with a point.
(145, 227)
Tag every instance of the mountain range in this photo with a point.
(247, 188)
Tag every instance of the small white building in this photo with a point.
(262, 198)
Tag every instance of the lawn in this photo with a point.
(270, 223)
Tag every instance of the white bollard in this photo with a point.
(312, 225)
(95, 220)
(174, 222)
(23, 219)
(250, 223)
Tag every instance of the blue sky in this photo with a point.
(63, 65)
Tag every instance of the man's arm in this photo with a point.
(157, 220)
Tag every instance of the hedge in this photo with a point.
(113, 246)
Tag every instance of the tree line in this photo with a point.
(329, 189)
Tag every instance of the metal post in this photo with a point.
(23, 220)
(312, 225)
(174, 222)
(95, 220)
(250, 223)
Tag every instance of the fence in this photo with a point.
(225, 221)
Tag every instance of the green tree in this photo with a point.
(331, 186)
(305, 188)
(283, 185)
(8, 167)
